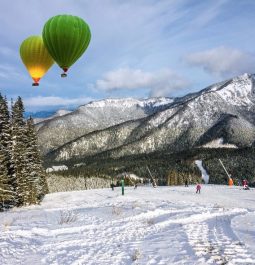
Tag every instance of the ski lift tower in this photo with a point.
(230, 180)
(154, 184)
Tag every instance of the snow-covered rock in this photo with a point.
(79, 165)
(56, 168)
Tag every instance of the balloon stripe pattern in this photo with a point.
(35, 57)
(66, 37)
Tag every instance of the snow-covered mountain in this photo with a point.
(222, 111)
(58, 113)
(94, 116)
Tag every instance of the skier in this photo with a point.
(112, 186)
(186, 183)
(246, 187)
(245, 184)
(230, 182)
(198, 188)
(239, 182)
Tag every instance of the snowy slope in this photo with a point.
(166, 225)
(58, 113)
(204, 174)
(218, 143)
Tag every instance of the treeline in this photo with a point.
(164, 167)
(22, 177)
(170, 168)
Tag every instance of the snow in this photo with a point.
(92, 117)
(79, 165)
(204, 174)
(164, 225)
(49, 170)
(62, 112)
(56, 168)
(130, 176)
(58, 113)
(239, 92)
(244, 228)
(128, 102)
(218, 143)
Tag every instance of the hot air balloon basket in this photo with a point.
(64, 75)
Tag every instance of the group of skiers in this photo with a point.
(244, 183)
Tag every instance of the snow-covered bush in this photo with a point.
(117, 210)
(67, 217)
(136, 255)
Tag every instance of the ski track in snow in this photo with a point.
(146, 226)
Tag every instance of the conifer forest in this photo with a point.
(22, 177)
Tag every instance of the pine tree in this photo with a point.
(7, 176)
(7, 194)
(19, 153)
(5, 131)
(37, 177)
(22, 177)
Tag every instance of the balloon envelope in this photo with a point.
(35, 57)
(66, 38)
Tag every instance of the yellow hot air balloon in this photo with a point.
(35, 57)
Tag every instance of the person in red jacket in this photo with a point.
(245, 184)
(198, 188)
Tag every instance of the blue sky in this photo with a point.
(139, 48)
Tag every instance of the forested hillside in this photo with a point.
(167, 167)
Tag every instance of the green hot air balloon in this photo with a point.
(66, 38)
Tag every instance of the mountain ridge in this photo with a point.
(93, 116)
(178, 126)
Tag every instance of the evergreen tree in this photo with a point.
(7, 194)
(37, 177)
(5, 132)
(7, 176)
(19, 139)
(22, 177)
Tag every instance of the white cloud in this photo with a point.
(54, 101)
(159, 83)
(223, 61)
(124, 78)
